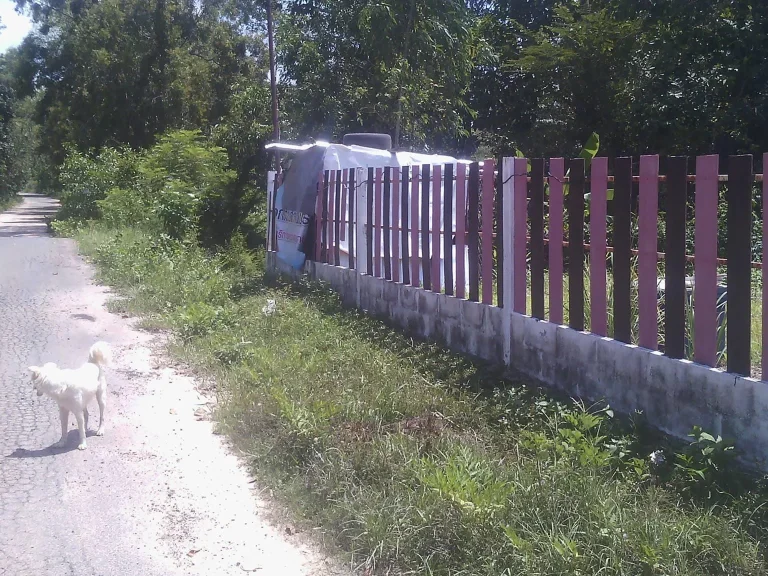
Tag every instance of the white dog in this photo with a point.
(74, 389)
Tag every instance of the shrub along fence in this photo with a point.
(620, 248)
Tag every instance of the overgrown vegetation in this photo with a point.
(416, 460)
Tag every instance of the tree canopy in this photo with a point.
(461, 76)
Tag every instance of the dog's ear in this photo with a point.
(35, 370)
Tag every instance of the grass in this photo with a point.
(414, 460)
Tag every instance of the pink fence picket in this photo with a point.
(461, 229)
(598, 246)
(705, 288)
(557, 170)
(487, 231)
(647, 248)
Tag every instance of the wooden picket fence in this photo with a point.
(495, 232)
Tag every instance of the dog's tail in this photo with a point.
(100, 354)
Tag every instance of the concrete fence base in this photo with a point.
(675, 395)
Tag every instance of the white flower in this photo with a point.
(270, 308)
(657, 458)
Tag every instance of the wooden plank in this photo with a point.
(519, 233)
(473, 247)
(576, 248)
(437, 181)
(369, 223)
(426, 268)
(739, 325)
(764, 363)
(415, 252)
(705, 289)
(387, 230)
(396, 224)
(487, 231)
(674, 269)
(557, 170)
(405, 223)
(351, 195)
(337, 221)
(598, 216)
(377, 205)
(536, 213)
(622, 246)
(647, 245)
(499, 213)
(461, 229)
(448, 229)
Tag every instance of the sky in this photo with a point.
(15, 26)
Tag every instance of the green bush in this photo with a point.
(185, 176)
(86, 179)
(125, 207)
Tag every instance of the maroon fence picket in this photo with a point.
(448, 255)
(461, 229)
(377, 222)
(498, 208)
(352, 218)
(395, 224)
(473, 246)
(437, 178)
(387, 205)
(576, 245)
(536, 214)
(739, 325)
(337, 221)
(487, 230)
(674, 270)
(426, 254)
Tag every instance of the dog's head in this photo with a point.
(39, 377)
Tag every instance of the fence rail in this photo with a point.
(504, 234)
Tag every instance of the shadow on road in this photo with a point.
(72, 441)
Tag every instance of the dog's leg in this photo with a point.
(101, 398)
(64, 415)
(81, 428)
(85, 417)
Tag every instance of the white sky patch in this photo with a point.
(15, 26)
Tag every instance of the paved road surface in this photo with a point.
(159, 494)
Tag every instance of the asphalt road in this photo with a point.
(160, 493)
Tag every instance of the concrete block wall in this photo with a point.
(675, 395)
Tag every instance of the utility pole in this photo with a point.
(273, 81)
